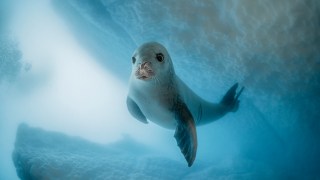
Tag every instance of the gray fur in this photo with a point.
(166, 100)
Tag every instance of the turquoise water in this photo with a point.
(65, 65)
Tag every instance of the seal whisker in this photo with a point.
(156, 80)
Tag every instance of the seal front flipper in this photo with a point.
(135, 111)
(185, 134)
(230, 99)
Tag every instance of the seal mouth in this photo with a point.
(144, 75)
(144, 71)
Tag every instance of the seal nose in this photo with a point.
(143, 65)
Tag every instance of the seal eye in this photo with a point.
(160, 57)
(133, 60)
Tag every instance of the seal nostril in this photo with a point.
(143, 65)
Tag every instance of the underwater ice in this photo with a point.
(41, 154)
(270, 47)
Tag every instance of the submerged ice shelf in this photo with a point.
(270, 47)
(41, 154)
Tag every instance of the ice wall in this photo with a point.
(270, 47)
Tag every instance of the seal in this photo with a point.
(157, 94)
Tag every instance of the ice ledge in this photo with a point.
(41, 154)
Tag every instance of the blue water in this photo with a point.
(65, 65)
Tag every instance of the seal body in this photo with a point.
(157, 94)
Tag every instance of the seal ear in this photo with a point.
(186, 135)
(133, 60)
(135, 111)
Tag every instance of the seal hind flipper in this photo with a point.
(135, 111)
(230, 99)
(185, 134)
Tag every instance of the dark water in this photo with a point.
(64, 67)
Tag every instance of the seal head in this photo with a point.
(151, 61)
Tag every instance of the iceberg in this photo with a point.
(41, 154)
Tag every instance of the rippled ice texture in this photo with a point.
(66, 64)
